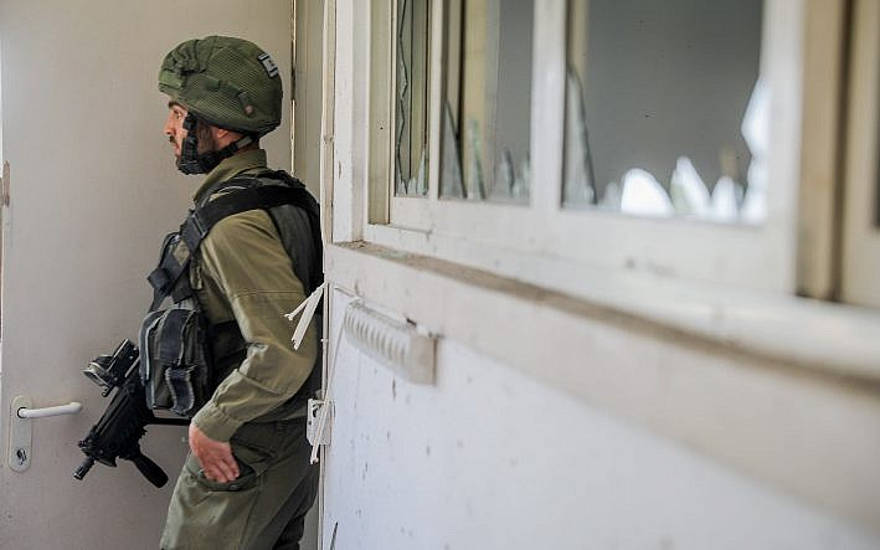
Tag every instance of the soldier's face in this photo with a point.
(177, 133)
(174, 129)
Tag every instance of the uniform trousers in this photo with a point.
(263, 509)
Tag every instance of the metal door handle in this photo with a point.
(71, 408)
(20, 421)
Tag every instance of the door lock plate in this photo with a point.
(19, 449)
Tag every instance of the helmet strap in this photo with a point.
(193, 162)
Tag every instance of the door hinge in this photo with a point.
(4, 184)
(315, 434)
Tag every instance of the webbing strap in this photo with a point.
(200, 221)
(168, 279)
(170, 344)
(166, 273)
(179, 380)
(313, 212)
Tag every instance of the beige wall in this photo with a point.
(93, 190)
(307, 95)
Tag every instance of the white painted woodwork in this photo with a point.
(327, 169)
(821, 178)
(861, 226)
(825, 336)
(722, 397)
(351, 120)
(328, 98)
(761, 257)
(381, 77)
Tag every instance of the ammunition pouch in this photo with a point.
(175, 363)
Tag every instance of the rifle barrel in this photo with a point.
(84, 468)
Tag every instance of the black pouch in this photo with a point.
(175, 360)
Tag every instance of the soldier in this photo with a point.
(247, 482)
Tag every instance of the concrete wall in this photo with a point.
(93, 190)
(490, 458)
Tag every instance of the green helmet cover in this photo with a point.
(225, 81)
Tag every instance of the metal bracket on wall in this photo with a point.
(397, 344)
(313, 422)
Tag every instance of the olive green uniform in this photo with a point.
(243, 273)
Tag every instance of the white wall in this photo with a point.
(490, 458)
(93, 191)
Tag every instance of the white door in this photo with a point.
(93, 190)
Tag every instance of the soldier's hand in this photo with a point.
(214, 456)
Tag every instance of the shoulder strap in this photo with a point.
(312, 273)
(308, 258)
(200, 221)
(246, 193)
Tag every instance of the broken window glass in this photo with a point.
(666, 112)
(411, 98)
(486, 114)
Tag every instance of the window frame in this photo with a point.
(417, 103)
(861, 219)
(505, 236)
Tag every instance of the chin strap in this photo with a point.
(193, 162)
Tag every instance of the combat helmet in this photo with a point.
(226, 82)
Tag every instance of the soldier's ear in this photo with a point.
(224, 137)
(219, 133)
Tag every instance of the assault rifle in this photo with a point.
(117, 434)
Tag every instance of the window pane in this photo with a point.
(665, 111)
(411, 99)
(487, 111)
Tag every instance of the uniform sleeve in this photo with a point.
(244, 259)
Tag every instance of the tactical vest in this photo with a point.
(183, 356)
